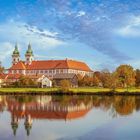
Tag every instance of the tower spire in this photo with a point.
(29, 54)
(16, 55)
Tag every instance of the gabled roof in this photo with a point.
(72, 64)
(19, 66)
(10, 76)
(64, 76)
(51, 64)
(13, 76)
(3, 76)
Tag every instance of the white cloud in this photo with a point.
(131, 29)
(5, 50)
(23, 33)
(81, 13)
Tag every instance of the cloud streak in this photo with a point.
(131, 29)
(24, 33)
(91, 23)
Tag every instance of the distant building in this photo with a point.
(8, 79)
(71, 77)
(45, 67)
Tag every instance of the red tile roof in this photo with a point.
(3, 76)
(19, 66)
(10, 76)
(13, 76)
(51, 64)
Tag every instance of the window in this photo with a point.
(41, 71)
(20, 71)
(57, 71)
(53, 71)
(61, 71)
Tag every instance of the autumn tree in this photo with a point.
(95, 81)
(137, 77)
(25, 81)
(80, 79)
(125, 75)
(65, 85)
(1, 68)
(104, 78)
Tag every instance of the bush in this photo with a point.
(65, 85)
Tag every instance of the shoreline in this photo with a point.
(73, 91)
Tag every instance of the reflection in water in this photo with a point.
(65, 108)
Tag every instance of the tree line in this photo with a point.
(123, 77)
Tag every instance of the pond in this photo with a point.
(74, 117)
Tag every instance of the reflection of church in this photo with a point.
(27, 123)
(44, 107)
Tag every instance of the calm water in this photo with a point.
(69, 117)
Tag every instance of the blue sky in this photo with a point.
(103, 33)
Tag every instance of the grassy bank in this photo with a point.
(96, 90)
(27, 90)
(84, 90)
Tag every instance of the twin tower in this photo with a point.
(28, 55)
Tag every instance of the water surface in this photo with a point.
(69, 117)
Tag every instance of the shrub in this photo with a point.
(65, 85)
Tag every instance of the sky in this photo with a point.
(102, 33)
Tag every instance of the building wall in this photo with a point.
(50, 73)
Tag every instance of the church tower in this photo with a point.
(29, 55)
(15, 55)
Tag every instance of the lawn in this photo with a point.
(21, 90)
(75, 90)
(88, 89)
(95, 90)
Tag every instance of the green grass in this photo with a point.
(75, 90)
(88, 89)
(21, 90)
(95, 90)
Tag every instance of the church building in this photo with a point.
(45, 67)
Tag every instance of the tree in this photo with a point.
(1, 68)
(95, 81)
(104, 78)
(87, 81)
(125, 75)
(25, 81)
(80, 80)
(112, 81)
(65, 85)
(137, 77)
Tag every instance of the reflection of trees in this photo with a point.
(71, 100)
(23, 99)
(124, 105)
(137, 102)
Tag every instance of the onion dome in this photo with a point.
(29, 51)
(16, 51)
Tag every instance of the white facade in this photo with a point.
(52, 72)
(15, 59)
(46, 82)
